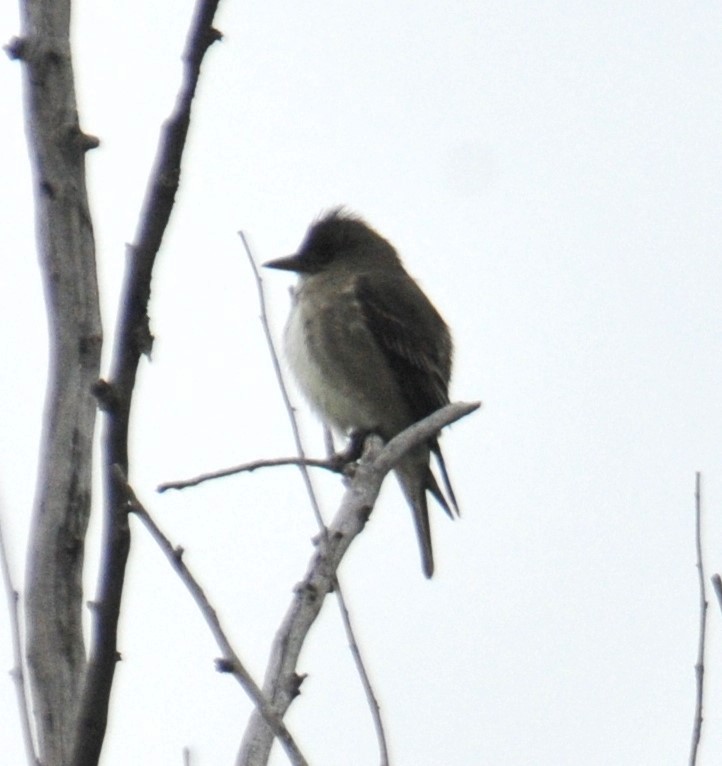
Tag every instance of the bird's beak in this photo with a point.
(287, 263)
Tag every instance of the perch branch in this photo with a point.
(281, 681)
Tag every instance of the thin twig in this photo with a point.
(230, 663)
(345, 615)
(363, 675)
(282, 385)
(17, 673)
(699, 666)
(329, 465)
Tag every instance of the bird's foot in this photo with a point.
(344, 461)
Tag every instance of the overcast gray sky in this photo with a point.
(552, 175)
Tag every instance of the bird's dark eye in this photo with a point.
(324, 250)
(333, 237)
(323, 246)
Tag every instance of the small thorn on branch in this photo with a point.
(16, 48)
(88, 141)
(224, 665)
(295, 683)
(104, 395)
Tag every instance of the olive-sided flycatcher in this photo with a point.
(369, 350)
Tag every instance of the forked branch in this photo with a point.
(281, 681)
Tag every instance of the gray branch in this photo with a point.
(231, 662)
(133, 339)
(281, 683)
(66, 249)
(71, 696)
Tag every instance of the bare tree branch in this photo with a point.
(419, 432)
(699, 666)
(230, 663)
(282, 384)
(17, 672)
(330, 465)
(281, 681)
(368, 688)
(57, 146)
(133, 338)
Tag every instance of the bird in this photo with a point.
(369, 350)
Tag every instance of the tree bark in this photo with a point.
(66, 248)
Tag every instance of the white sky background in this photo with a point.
(552, 175)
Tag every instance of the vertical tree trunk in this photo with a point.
(56, 654)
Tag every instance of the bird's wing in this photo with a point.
(417, 346)
(412, 336)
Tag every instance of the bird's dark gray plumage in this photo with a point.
(369, 350)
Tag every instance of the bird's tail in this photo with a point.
(411, 479)
(435, 491)
(416, 478)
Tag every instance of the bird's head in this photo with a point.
(338, 239)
